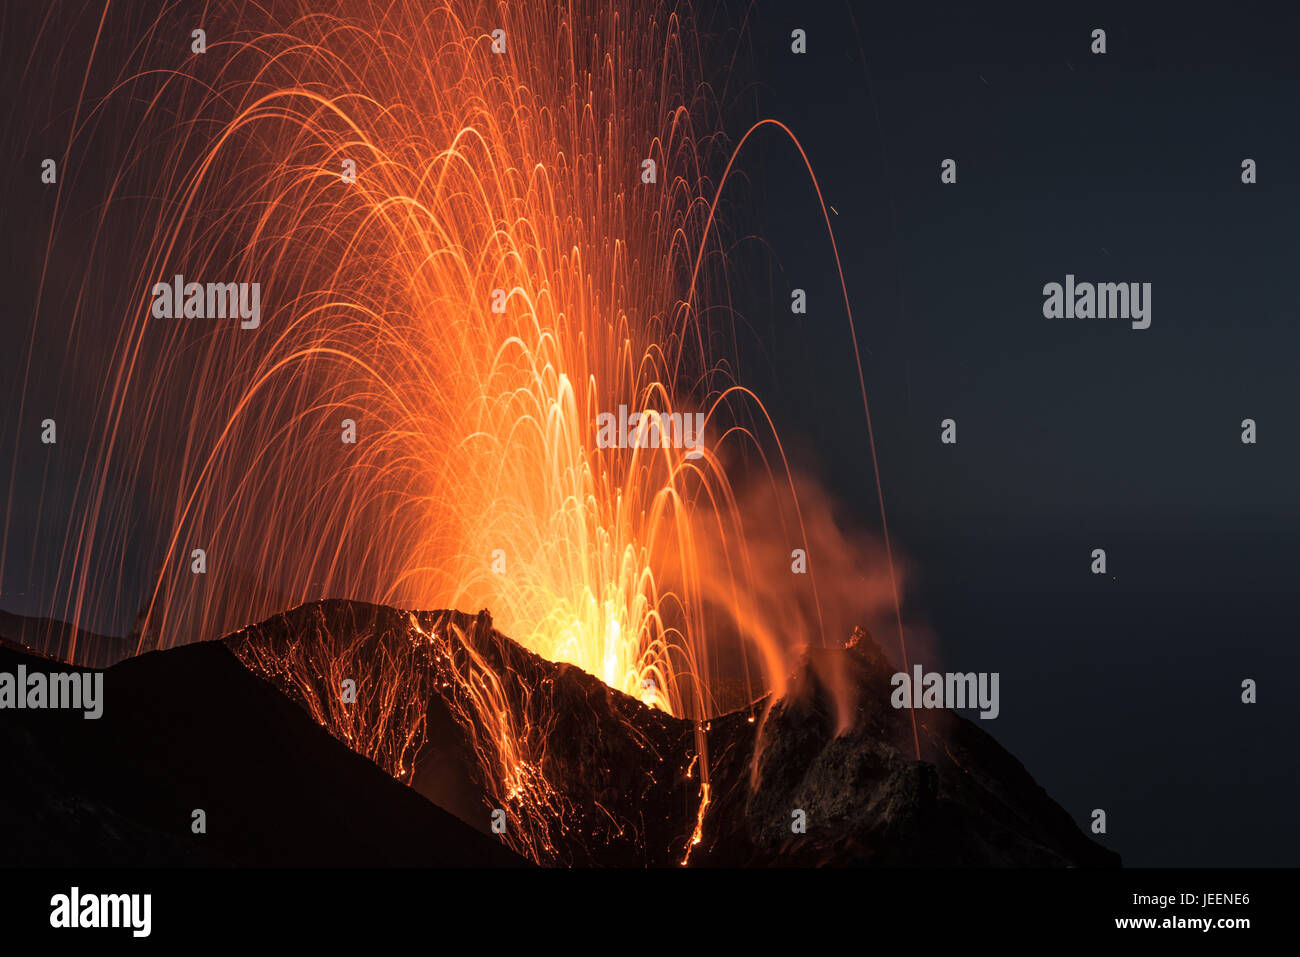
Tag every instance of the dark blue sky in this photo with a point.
(1119, 691)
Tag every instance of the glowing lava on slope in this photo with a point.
(476, 228)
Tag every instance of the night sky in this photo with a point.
(1118, 691)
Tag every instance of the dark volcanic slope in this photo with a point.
(597, 778)
(592, 777)
(868, 801)
(192, 728)
(58, 639)
(582, 774)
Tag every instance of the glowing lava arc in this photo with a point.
(528, 241)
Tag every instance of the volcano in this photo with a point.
(348, 733)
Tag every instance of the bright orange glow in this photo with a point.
(496, 277)
(499, 274)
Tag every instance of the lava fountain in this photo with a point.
(476, 228)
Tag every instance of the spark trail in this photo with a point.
(496, 275)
